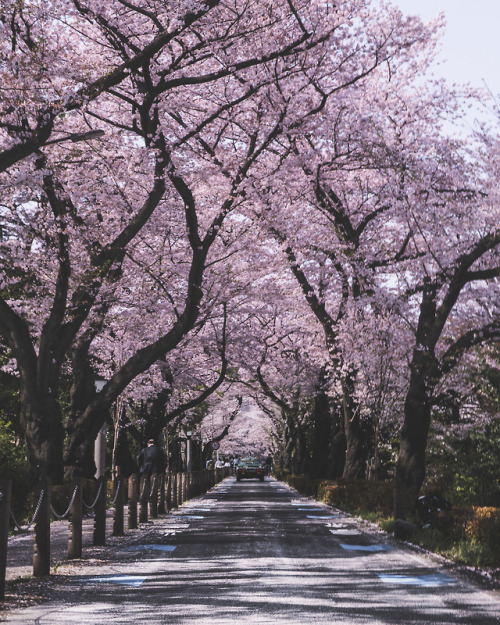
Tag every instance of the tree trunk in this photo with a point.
(355, 457)
(42, 424)
(124, 457)
(410, 468)
(301, 455)
(356, 453)
(322, 420)
(79, 458)
(336, 459)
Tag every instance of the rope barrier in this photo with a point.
(33, 520)
(63, 516)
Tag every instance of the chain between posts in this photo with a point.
(43, 493)
(91, 507)
(33, 520)
(58, 516)
(117, 491)
(63, 516)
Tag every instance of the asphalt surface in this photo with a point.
(252, 552)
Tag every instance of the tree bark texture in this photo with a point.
(356, 453)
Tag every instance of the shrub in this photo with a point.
(349, 495)
(484, 529)
(303, 484)
(12, 457)
(353, 495)
(465, 534)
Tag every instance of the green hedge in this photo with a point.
(353, 495)
(349, 495)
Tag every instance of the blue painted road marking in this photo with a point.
(321, 516)
(150, 548)
(366, 547)
(437, 579)
(188, 516)
(123, 580)
(176, 526)
(312, 509)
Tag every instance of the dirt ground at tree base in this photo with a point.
(23, 590)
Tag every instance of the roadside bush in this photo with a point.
(304, 484)
(467, 534)
(484, 529)
(12, 457)
(459, 517)
(349, 495)
(356, 495)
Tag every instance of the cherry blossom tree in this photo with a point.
(342, 172)
(271, 194)
(188, 95)
(390, 179)
(458, 306)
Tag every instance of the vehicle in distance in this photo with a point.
(250, 468)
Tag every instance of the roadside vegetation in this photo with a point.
(466, 534)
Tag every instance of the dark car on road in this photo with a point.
(250, 468)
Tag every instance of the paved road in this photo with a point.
(258, 553)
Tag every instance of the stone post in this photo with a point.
(118, 509)
(133, 496)
(75, 523)
(100, 512)
(144, 498)
(153, 499)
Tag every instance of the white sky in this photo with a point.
(471, 45)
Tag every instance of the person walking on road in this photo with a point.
(151, 459)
